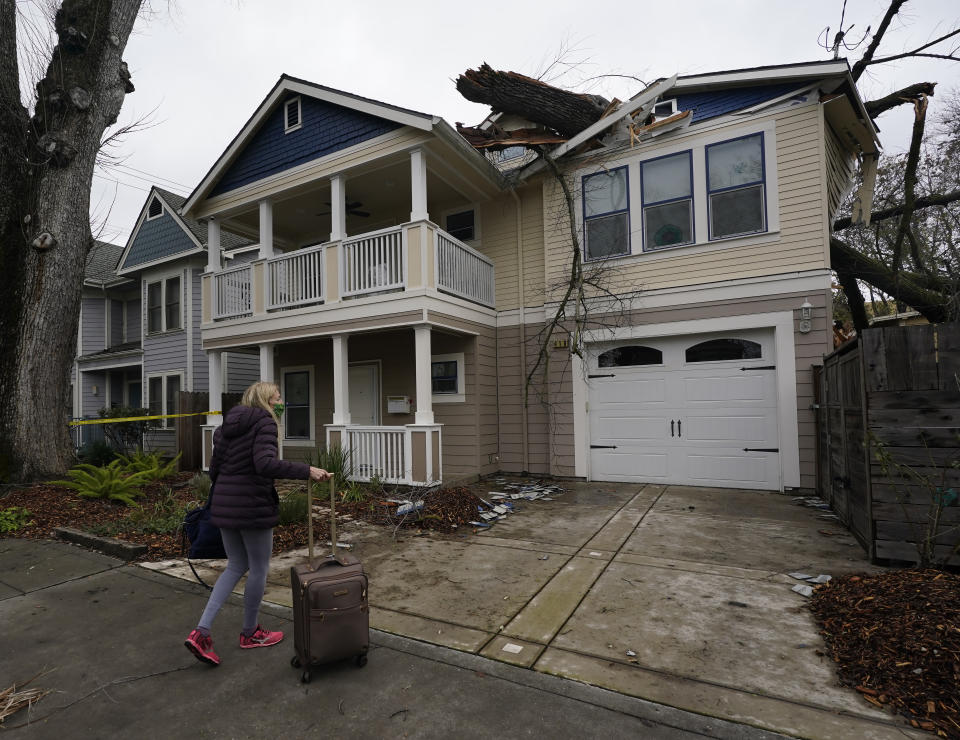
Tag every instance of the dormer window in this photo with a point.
(665, 109)
(155, 209)
(291, 115)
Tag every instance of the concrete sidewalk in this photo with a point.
(675, 595)
(107, 640)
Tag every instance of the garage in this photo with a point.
(694, 410)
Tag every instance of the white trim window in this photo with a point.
(736, 181)
(163, 397)
(606, 214)
(666, 186)
(292, 115)
(155, 209)
(296, 389)
(447, 381)
(462, 225)
(164, 301)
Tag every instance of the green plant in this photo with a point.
(13, 518)
(165, 516)
(149, 463)
(201, 484)
(354, 492)
(337, 461)
(293, 507)
(109, 482)
(97, 453)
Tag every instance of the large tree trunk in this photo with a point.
(45, 225)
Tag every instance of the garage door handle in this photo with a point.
(608, 375)
(761, 449)
(760, 367)
(671, 427)
(679, 428)
(603, 447)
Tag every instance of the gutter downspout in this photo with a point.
(525, 454)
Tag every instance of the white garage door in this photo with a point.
(694, 410)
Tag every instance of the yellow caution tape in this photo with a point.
(141, 418)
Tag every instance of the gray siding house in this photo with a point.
(139, 337)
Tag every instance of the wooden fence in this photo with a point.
(896, 391)
(189, 435)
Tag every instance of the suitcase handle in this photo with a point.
(333, 523)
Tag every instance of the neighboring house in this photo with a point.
(139, 338)
(402, 278)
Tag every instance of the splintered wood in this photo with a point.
(896, 640)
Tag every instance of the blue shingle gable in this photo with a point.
(157, 238)
(326, 128)
(715, 103)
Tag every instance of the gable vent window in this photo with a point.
(665, 109)
(155, 209)
(291, 115)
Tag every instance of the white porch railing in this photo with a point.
(377, 452)
(373, 262)
(463, 271)
(232, 292)
(295, 279)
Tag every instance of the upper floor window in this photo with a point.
(291, 115)
(155, 209)
(735, 187)
(461, 226)
(163, 305)
(667, 188)
(606, 214)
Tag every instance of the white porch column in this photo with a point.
(418, 186)
(341, 380)
(338, 208)
(216, 387)
(266, 363)
(213, 245)
(424, 413)
(266, 229)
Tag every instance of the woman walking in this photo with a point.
(245, 507)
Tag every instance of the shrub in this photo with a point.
(97, 453)
(164, 517)
(201, 484)
(355, 493)
(13, 518)
(125, 435)
(150, 464)
(293, 508)
(109, 482)
(337, 461)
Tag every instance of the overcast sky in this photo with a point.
(201, 67)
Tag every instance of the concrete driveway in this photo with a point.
(674, 594)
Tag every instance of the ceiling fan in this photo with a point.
(352, 209)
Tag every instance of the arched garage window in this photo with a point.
(715, 350)
(630, 355)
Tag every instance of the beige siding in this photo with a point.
(840, 169)
(550, 422)
(799, 246)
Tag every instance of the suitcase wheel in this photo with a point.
(361, 660)
(295, 661)
(306, 676)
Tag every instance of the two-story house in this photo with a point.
(402, 280)
(139, 337)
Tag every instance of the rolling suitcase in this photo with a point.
(331, 619)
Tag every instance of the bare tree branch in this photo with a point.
(910, 180)
(892, 11)
(905, 95)
(927, 201)
(917, 52)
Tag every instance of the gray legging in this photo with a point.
(247, 549)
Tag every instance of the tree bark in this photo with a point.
(563, 111)
(45, 227)
(905, 95)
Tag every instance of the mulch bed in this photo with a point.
(52, 506)
(896, 639)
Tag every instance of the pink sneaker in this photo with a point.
(260, 638)
(202, 647)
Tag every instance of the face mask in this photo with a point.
(278, 409)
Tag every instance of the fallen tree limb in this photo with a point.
(926, 201)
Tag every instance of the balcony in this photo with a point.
(415, 255)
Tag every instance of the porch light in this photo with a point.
(806, 316)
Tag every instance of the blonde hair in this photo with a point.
(258, 396)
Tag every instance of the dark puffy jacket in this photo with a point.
(243, 467)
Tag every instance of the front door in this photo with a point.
(364, 382)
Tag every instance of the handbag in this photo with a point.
(202, 540)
